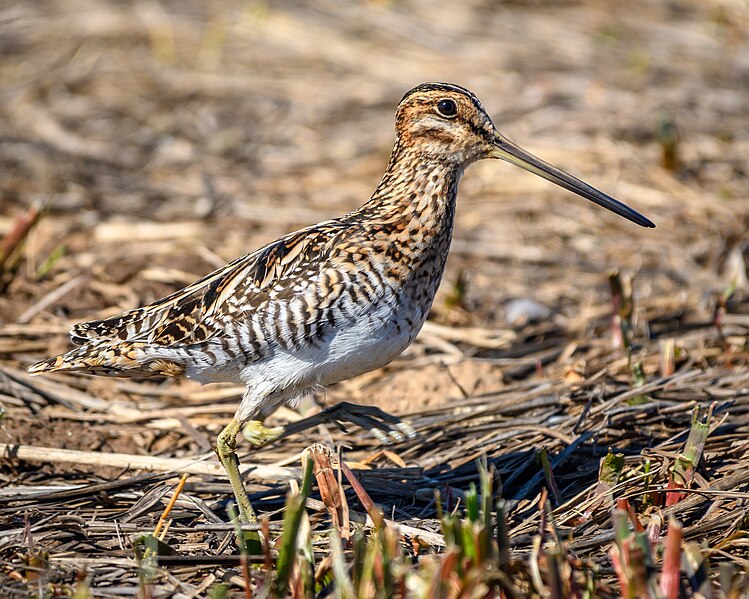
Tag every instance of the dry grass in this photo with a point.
(143, 145)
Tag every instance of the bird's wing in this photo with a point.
(201, 310)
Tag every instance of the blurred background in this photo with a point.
(165, 138)
(144, 144)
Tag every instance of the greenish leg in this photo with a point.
(385, 427)
(226, 449)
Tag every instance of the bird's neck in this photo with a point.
(410, 224)
(416, 190)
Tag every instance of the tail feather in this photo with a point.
(127, 359)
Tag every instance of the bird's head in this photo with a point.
(446, 122)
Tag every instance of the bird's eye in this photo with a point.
(447, 108)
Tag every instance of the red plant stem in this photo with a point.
(246, 575)
(20, 229)
(616, 561)
(672, 561)
(623, 504)
(363, 496)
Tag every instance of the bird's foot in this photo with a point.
(258, 434)
(385, 427)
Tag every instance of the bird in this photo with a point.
(329, 301)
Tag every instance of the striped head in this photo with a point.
(446, 123)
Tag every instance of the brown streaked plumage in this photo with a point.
(327, 302)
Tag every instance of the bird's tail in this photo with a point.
(126, 359)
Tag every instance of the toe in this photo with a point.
(406, 430)
(258, 434)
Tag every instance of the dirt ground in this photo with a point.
(163, 139)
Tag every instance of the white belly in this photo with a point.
(366, 344)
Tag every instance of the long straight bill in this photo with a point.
(508, 151)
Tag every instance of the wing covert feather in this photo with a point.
(200, 311)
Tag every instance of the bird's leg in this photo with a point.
(226, 449)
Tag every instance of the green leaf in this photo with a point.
(220, 591)
(472, 504)
(292, 522)
(343, 587)
(611, 468)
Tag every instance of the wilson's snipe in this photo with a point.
(327, 302)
